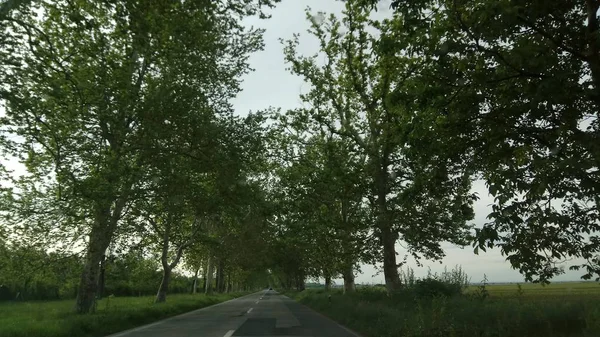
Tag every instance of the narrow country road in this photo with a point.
(266, 313)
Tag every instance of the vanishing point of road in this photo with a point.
(266, 313)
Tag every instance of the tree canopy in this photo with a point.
(141, 176)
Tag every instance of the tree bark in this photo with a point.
(204, 269)
(105, 223)
(390, 268)
(161, 296)
(101, 281)
(300, 282)
(209, 277)
(327, 282)
(88, 284)
(348, 276)
(229, 282)
(195, 286)
(221, 276)
(388, 237)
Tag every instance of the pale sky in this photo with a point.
(272, 85)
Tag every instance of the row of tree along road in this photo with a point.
(120, 111)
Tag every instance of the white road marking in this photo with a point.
(229, 333)
(143, 327)
(249, 310)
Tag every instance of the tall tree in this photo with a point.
(364, 92)
(81, 80)
(519, 85)
(323, 192)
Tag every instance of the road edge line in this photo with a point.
(149, 325)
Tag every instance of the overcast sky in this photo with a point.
(272, 85)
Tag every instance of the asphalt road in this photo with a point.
(266, 313)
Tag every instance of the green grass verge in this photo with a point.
(57, 319)
(373, 314)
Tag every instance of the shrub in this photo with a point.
(432, 287)
(448, 283)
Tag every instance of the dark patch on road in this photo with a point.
(292, 331)
(242, 313)
(256, 327)
(266, 327)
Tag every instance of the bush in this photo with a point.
(448, 283)
(430, 287)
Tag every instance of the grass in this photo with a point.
(535, 289)
(57, 319)
(563, 310)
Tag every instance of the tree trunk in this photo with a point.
(217, 274)
(221, 276)
(105, 223)
(88, 284)
(390, 268)
(228, 282)
(388, 237)
(209, 277)
(327, 282)
(348, 275)
(195, 286)
(101, 281)
(300, 282)
(161, 296)
(204, 269)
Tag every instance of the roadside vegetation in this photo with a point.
(432, 307)
(112, 314)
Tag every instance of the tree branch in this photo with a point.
(551, 38)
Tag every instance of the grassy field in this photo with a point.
(56, 318)
(558, 310)
(533, 289)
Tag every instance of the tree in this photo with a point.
(81, 91)
(364, 93)
(321, 193)
(519, 85)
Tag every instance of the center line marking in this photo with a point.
(229, 333)
(250, 310)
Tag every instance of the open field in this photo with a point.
(56, 318)
(562, 288)
(561, 310)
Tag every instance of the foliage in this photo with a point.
(101, 96)
(319, 191)
(364, 94)
(448, 283)
(518, 83)
(30, 273)
(431, 287)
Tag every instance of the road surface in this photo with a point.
(266, 313)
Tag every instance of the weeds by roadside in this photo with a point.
(424, 308)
